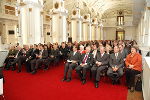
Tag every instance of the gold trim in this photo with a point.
(22, 4)
(56, 5)
(74, 12)
(85, 17)
(42, 12)
(148, 8)
(18, 11)
(30, 9)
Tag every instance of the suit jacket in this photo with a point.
(45, 54)
(118, 62)
(19, 53)
(75, 57)
(89, 60)
(55, 53)
(28, 53)
(64, 51)
(93, 52)
(34, 52)
(124, 53)
(103, 59)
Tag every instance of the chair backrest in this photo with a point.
(1, 86)
(3, 55)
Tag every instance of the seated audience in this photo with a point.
(133, 67)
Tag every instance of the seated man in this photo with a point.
(40, 58)
(34, 51)
(101, 63)
(85, 64)
(134, 66)
(71, 64)
(53, 56)
(63, 51)
(116, 62)
(19, 53)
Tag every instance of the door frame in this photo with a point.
(120, 31)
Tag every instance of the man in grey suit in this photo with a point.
(123, 51)
(116, 62)
(101, 63)
(85, 64)
(72, 63)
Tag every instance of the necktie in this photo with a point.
(17, 53)
(74, 53)
(85, 58)
(116, 55)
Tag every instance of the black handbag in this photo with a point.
(138, 85)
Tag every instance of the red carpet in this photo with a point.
(47, 85)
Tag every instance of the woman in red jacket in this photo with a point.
(133, 67)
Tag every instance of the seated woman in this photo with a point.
(134, 66)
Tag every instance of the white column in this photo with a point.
(76, 25)
(102, 32)
(86, 27)
(31, 22)
(59, 22)
(94, 29)
(85, 31)
(99, 33)
(147, 37)
(89, 31)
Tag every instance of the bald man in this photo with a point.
(101, 63)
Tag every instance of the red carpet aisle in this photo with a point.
(47, 85)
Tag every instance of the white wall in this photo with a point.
(130, 33)
(110, 33)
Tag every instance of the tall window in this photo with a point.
(120, 20)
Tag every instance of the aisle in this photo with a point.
(47, 85)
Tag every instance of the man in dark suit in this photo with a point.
(63, 51)
(17, 57)
(116, 62)
(22, 58)
(71, 64)
(40, 58)
(123, 51)
(53, 56)
(85, 64)
(101, 63)
(69, 47)
(94, 51)
(34, 51)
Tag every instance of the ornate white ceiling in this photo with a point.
(104, 8)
